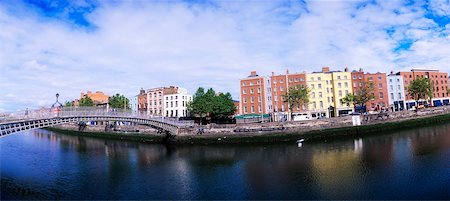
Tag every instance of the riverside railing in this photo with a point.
(46, 113)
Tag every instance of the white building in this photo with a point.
(396, 92)
(133, 103)
(175, 105)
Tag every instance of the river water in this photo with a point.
(411, 164)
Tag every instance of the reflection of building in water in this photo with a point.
(378, 151)
(430, 140)
(358, 145)
(336, 170)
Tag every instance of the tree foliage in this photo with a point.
(420, 88)
(296, 97)
(118, 101)
(360, 96)
(69, 104)
(211, 105)
(86, 102)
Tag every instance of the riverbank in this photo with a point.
(271, 137)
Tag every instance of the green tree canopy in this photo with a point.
(69, 104)
(118, 101)
(211, 105)
(86, 102)
(420, 88)
(360, 96)
(296, 97)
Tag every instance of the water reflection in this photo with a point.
(72, 167)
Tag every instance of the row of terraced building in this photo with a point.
(264, 94)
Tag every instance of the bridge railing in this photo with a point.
(85, 112)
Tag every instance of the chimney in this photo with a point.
(361, 70)
(287, 71)
(346, 69)
(273, 74)
(253, 74)
(392, 72)
(325, 69)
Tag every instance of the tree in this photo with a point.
(349, 99)
(69, 104)
(86, 102)
(421, 88)
(209, 105)
(364, 94)
(118, 101)
(297, 96)
(223, 106)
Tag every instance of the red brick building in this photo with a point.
(280, 84)
(253, 95)
(378, 80)
(439, 81)
(142, 101)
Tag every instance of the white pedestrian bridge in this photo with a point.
(45, 117)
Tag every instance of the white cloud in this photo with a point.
(150, 44)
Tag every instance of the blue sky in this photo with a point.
(120, 46)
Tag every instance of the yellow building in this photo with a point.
(327, 89)
(321, 92)
(342, 85)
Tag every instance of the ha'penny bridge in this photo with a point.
(33, 119)
(15, 122)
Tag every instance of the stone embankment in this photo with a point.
(311, 125)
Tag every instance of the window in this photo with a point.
(244, 91)
(354, 77)
(281, 88)
(321, 104)
(301, 79)
(399, 96)
(245, 109)
(290, 79)
(338, 77)
(253, 109)
(251, 91)
(346, 92)
(345, 77)
(312, 86)
(281, 80)
(319, 78)
(355, 84)
(360, 77)
(339, 85)
(380, 86)
(259, 89)
(391, 87)
(312, 79)
(370, 78)
(176, 103)
(398, 87)
(252, 100)
(319, 86)
(340, 93)
(392, 96)
(379, 77)
(296, 80)
(320, 94)
(345, 84)
(398, 80)
(313, 95)
(390, 80)
(259, 98)
(380, 95)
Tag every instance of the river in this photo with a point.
(410, 164)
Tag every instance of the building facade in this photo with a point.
(142, 101)
(175, 104)
(379, 85)
(133, 103)
(321, 99)
(342, 85)
(396, 92)
(438, 80)
(99, 98)
(255, 95)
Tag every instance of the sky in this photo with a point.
(72, 46)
